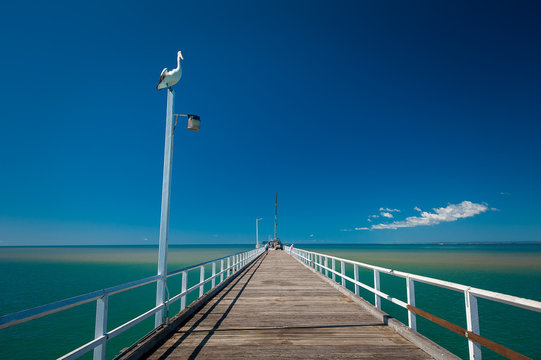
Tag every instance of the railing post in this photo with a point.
(377, 298)
(228, 266)
(326, 266)
(221, 270)
(183, 288)
(101, 326)
(333, 269)
(319, 263)
(343, 272)
(412, 317)
(356, 277)
(201, 279)
(213, 275)
(472, 321)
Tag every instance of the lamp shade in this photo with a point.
(194, 122)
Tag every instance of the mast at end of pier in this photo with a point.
(275, 215)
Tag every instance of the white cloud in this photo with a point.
(311, 235)
(345, 230)
(369, 220)
(417, 209)
(361, 228)
(449, 213)
(388, 215)
(374, 216)
(388, 210)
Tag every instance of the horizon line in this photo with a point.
(301, 243)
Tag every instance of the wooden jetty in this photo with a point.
(279, 308)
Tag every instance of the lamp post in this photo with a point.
(193, 124)
(257, 233)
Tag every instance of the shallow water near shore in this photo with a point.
(33, 276)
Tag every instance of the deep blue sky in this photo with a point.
(343, 107)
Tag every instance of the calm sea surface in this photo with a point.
(32, 276)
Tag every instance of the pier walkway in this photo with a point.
(279, 308)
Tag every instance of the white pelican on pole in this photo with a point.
(169, 78)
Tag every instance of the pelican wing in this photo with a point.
(162, 76)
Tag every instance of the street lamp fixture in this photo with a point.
(194, 121)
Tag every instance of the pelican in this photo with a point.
(170, 78)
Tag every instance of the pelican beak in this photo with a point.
(180, 54)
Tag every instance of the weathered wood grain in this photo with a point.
(279, 309)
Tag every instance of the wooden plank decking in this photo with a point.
(277, 308)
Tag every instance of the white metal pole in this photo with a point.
(101, 326)
(166, 198)
(214, 274)
(201, 279)
(356, 277)
(221, 270)
(472, 323)
(377, 298)
(184, 286)
(257, 233)
(410, 290)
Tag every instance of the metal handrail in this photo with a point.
(320, 261)
(236, 262)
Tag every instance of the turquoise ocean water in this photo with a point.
(32, 276)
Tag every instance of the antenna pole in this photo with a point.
(275, 214)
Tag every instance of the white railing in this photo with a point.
(320, 262)
(228, 266)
